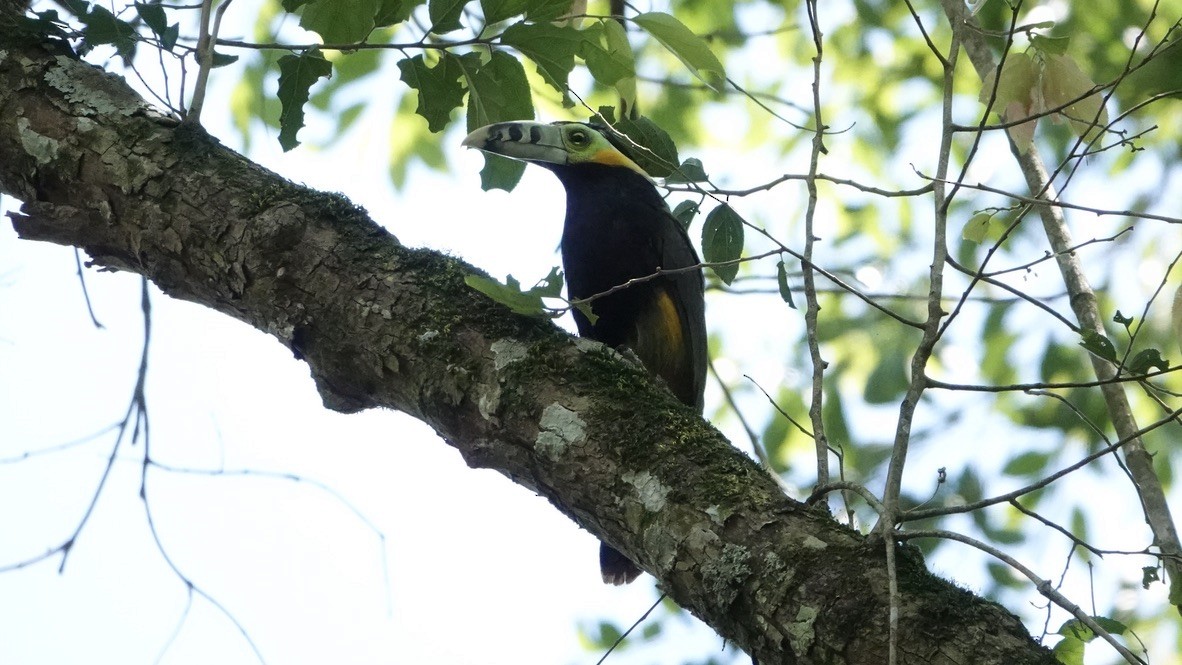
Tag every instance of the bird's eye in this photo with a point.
(579, 137)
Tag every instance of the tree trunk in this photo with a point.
(383, 325)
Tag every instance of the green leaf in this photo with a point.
(607, 63)
(496, 11)
(393, 12)
(172, 33)
(1016, 97)
(977, 227)
(1069, 651)
(497, 91)
(1050, 45)
(1027, 464)
(340, 21)
(692, 50)
(221, 59)
(527, 302)
(619, 50)
(647, 144)
(297, 73)
(1149, 576)
(439, 88)
(541, 11)
(722, 241)
(691, 170)
(1123, 320)
(1063, 81)
(609, 58)
(445, 15)
(153, 17)
(1098, 345)
(888, 380)
(500, 172)
(782, 284)
(1004, 576)
(1076, 629)
(103, 27)
(684, 212)
(1176, 317)
(550, 47)
(411, 141)
(1147, 359)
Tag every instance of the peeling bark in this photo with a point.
(383, 325)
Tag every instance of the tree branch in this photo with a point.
(1084, 305)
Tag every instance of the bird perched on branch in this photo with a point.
(618, 229)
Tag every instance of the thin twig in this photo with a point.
(1044, 586)
(629, 631)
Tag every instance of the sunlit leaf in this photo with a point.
(888, 380)
(1062, 82)
(1030, 463)
(977, 227)
(340, 21)
(551, 48)
(522, 301)
(496, 11)
(692, 50)
(1050, 45)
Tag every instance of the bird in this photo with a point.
(618, 228)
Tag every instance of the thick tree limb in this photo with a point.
(382, 325)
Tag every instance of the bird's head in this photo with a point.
(555, 144)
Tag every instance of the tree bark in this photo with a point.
(383, 325)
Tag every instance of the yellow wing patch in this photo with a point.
(659, 340)
(670, 321)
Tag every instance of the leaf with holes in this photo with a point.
(497, 91)
(297, 73)
(510, 294)
(1147, 359)
(340, 21)
(551, 48)
(1098, 345)
(439, 88)
(722, 241)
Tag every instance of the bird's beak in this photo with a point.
(527, 141)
